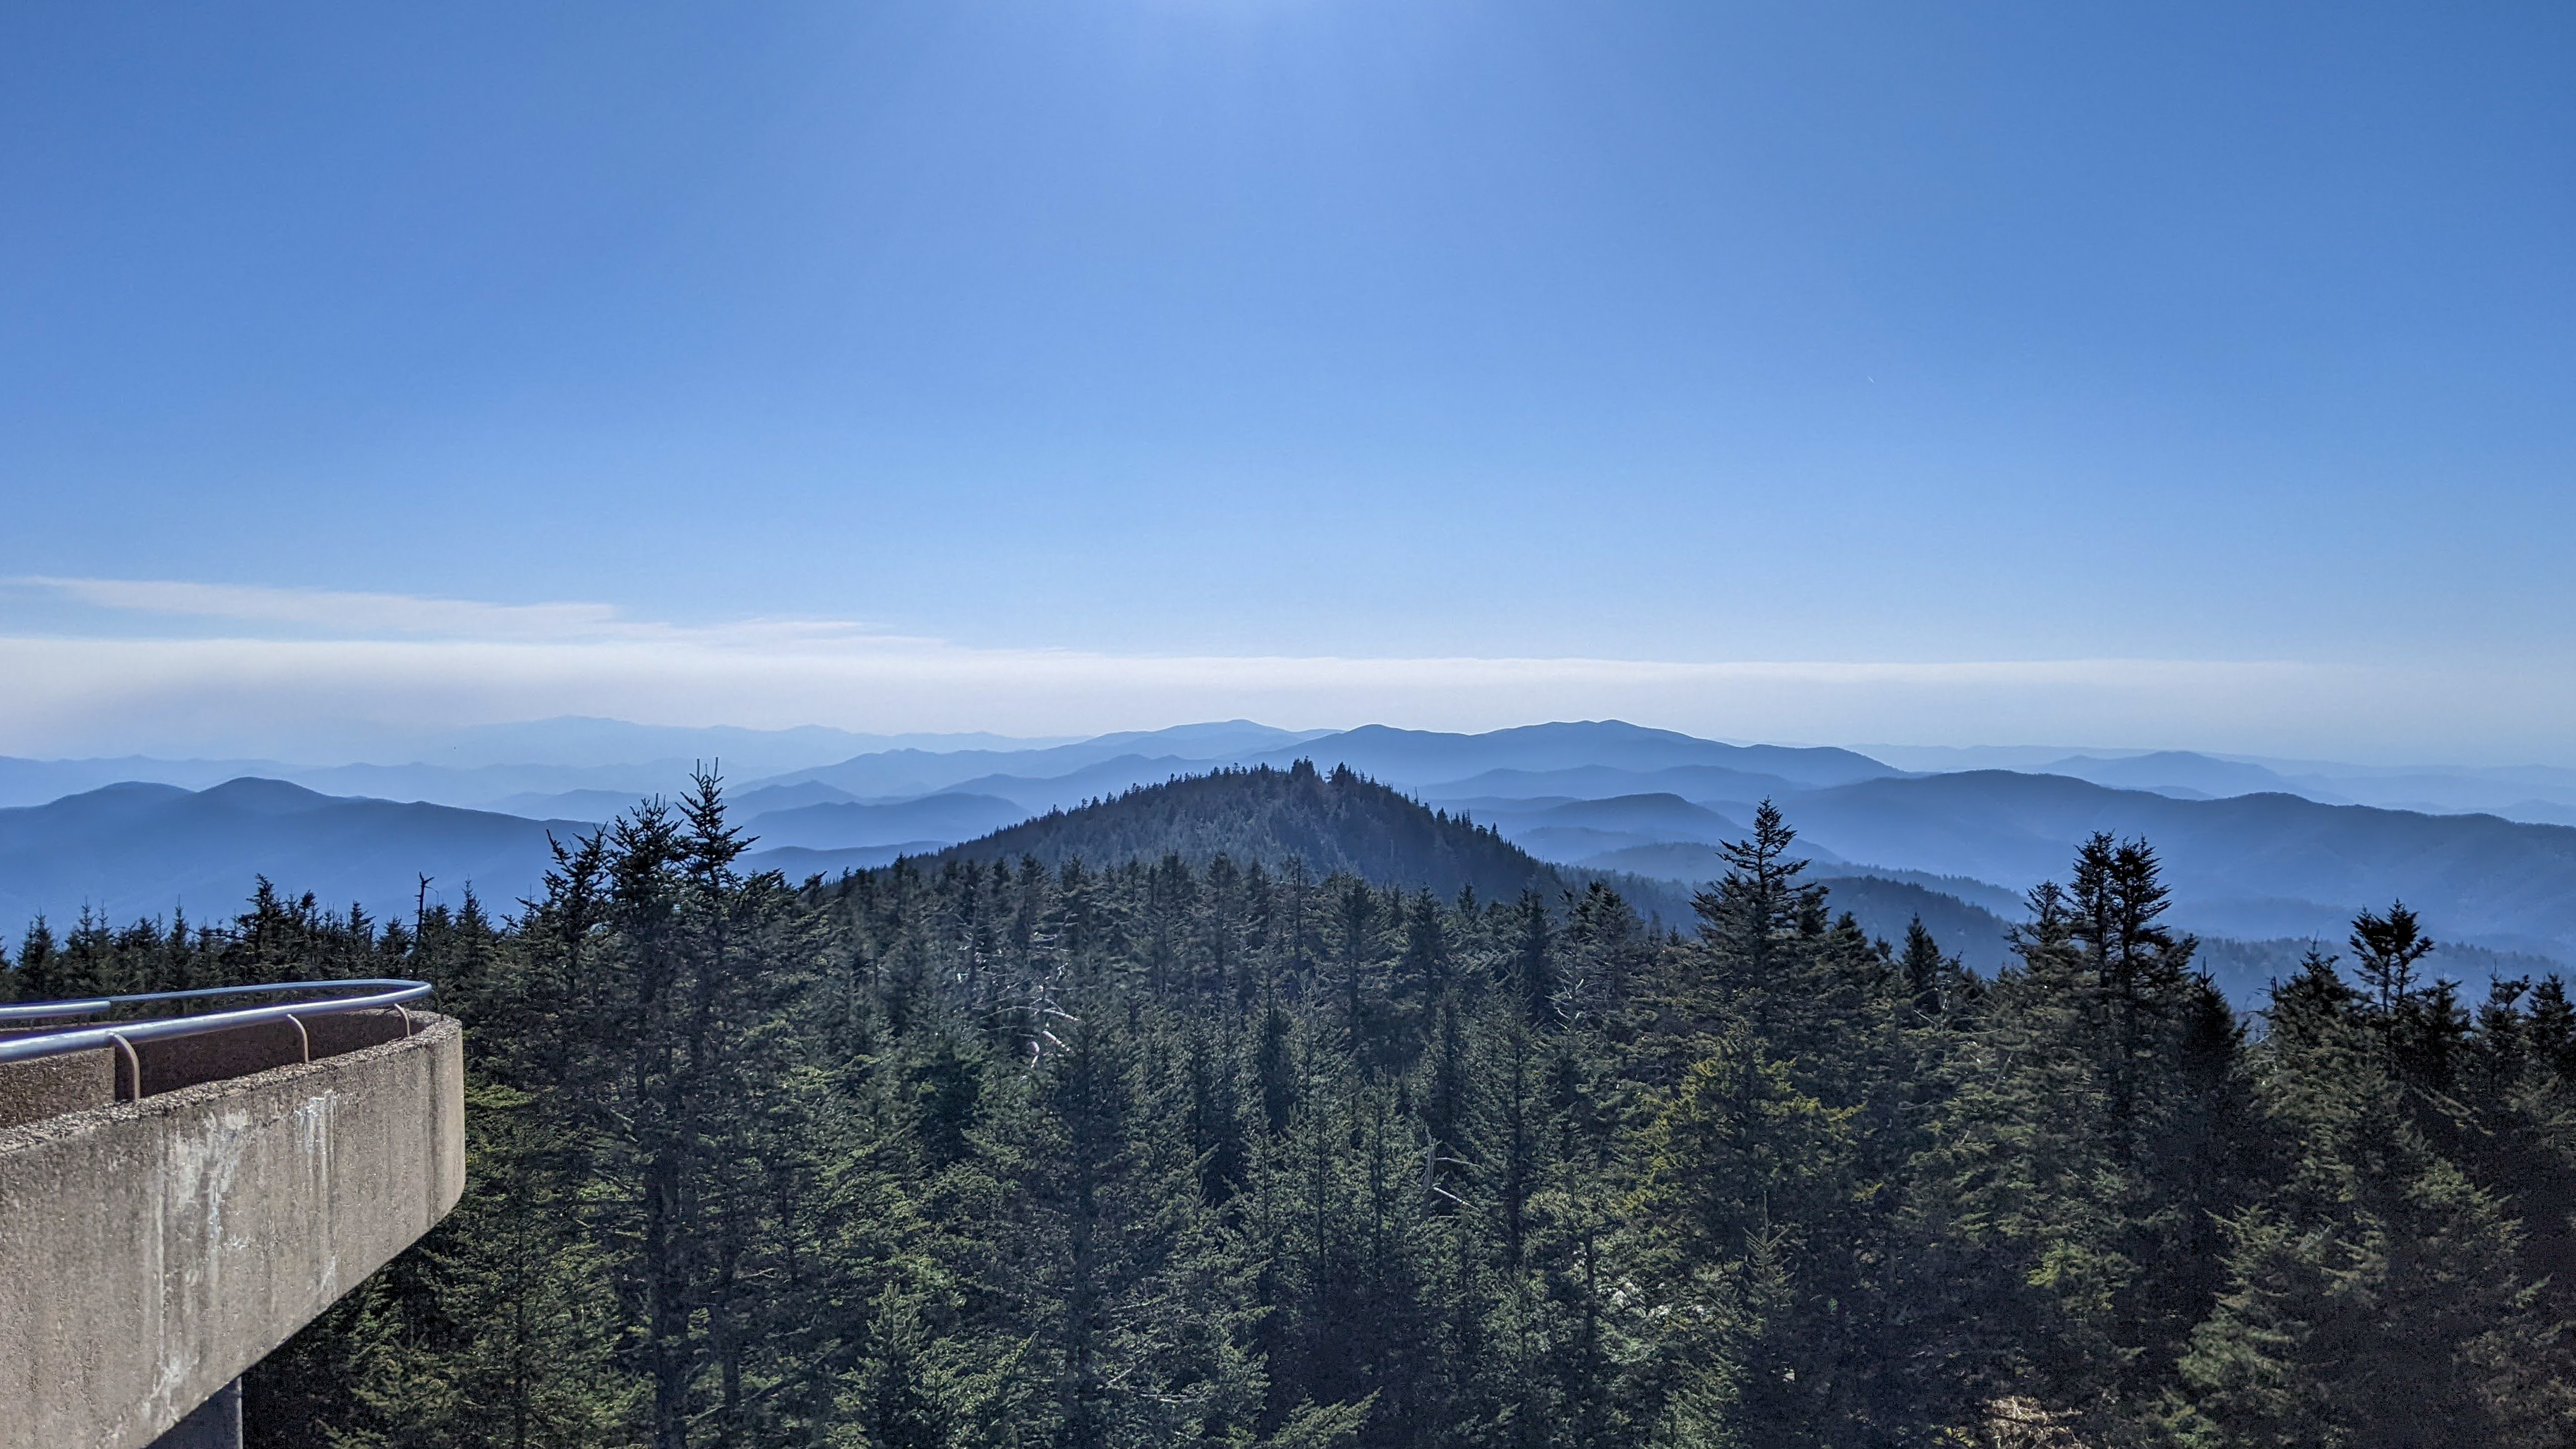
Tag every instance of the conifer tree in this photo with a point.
(1925, 967)
(2375, 1298)
(2093, 1131)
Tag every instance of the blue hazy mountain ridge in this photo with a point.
(481, 765)
(140, 850)
(584, 741)
(1536, 759)
(136, 850)
(604, 805)
(558, 786)
(1410, 758)
(483, 787)
(2546, 779)
(1682, 862)
(2523, 793)
(2257, 866)
(761, 799)
(891, 774)
(800, 863)
(1037, 794)
(2006, 905)
(932, 820)
(1217, 739)
(1705, 784)
(562, 761)
(520, 789)
(595, 806)
(35, 782)
(2252, 866)
(2541, 794)
(1431, 775)
(1661, 835)
(1428, 758)
(1652, 817)
(2178, 772)
(1666, 816)
(2538, 812)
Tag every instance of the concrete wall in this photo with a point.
(151, 1251)
(51, 1086)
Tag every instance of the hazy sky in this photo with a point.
(2143, 375)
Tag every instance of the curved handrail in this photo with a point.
(59, 1041)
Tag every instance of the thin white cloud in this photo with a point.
(305, 660)
(340, 613)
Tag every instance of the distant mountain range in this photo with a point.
(133, 850)
(840, 825)
(481, 765)
(1334, 822)
(2178, 773)
(2253, 865)
(2254, 855)
(578, 767)
(2533, 794)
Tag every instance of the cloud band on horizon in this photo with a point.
(289, 665)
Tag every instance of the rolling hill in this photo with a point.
(934, 820)
(1712, 785)
(136, 850)
(2179, 773)
(1332, 822)
(2253, 866)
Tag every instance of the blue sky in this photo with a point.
(1329, 361)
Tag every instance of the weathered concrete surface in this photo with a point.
(151, 1251)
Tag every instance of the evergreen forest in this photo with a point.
(1202, 1143)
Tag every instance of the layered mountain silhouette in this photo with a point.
(950, 815)
(2178, 773)
(134, 850)
(2254, 865)
(1423, 757)
(1414, 760)
(1540, 806)
(1341, 821)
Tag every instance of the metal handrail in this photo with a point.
(59, 1041)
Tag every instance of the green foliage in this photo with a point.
(1293, 1123)
(2378, 1295)
(1330, 824)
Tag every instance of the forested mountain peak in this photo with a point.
(1332, 821)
